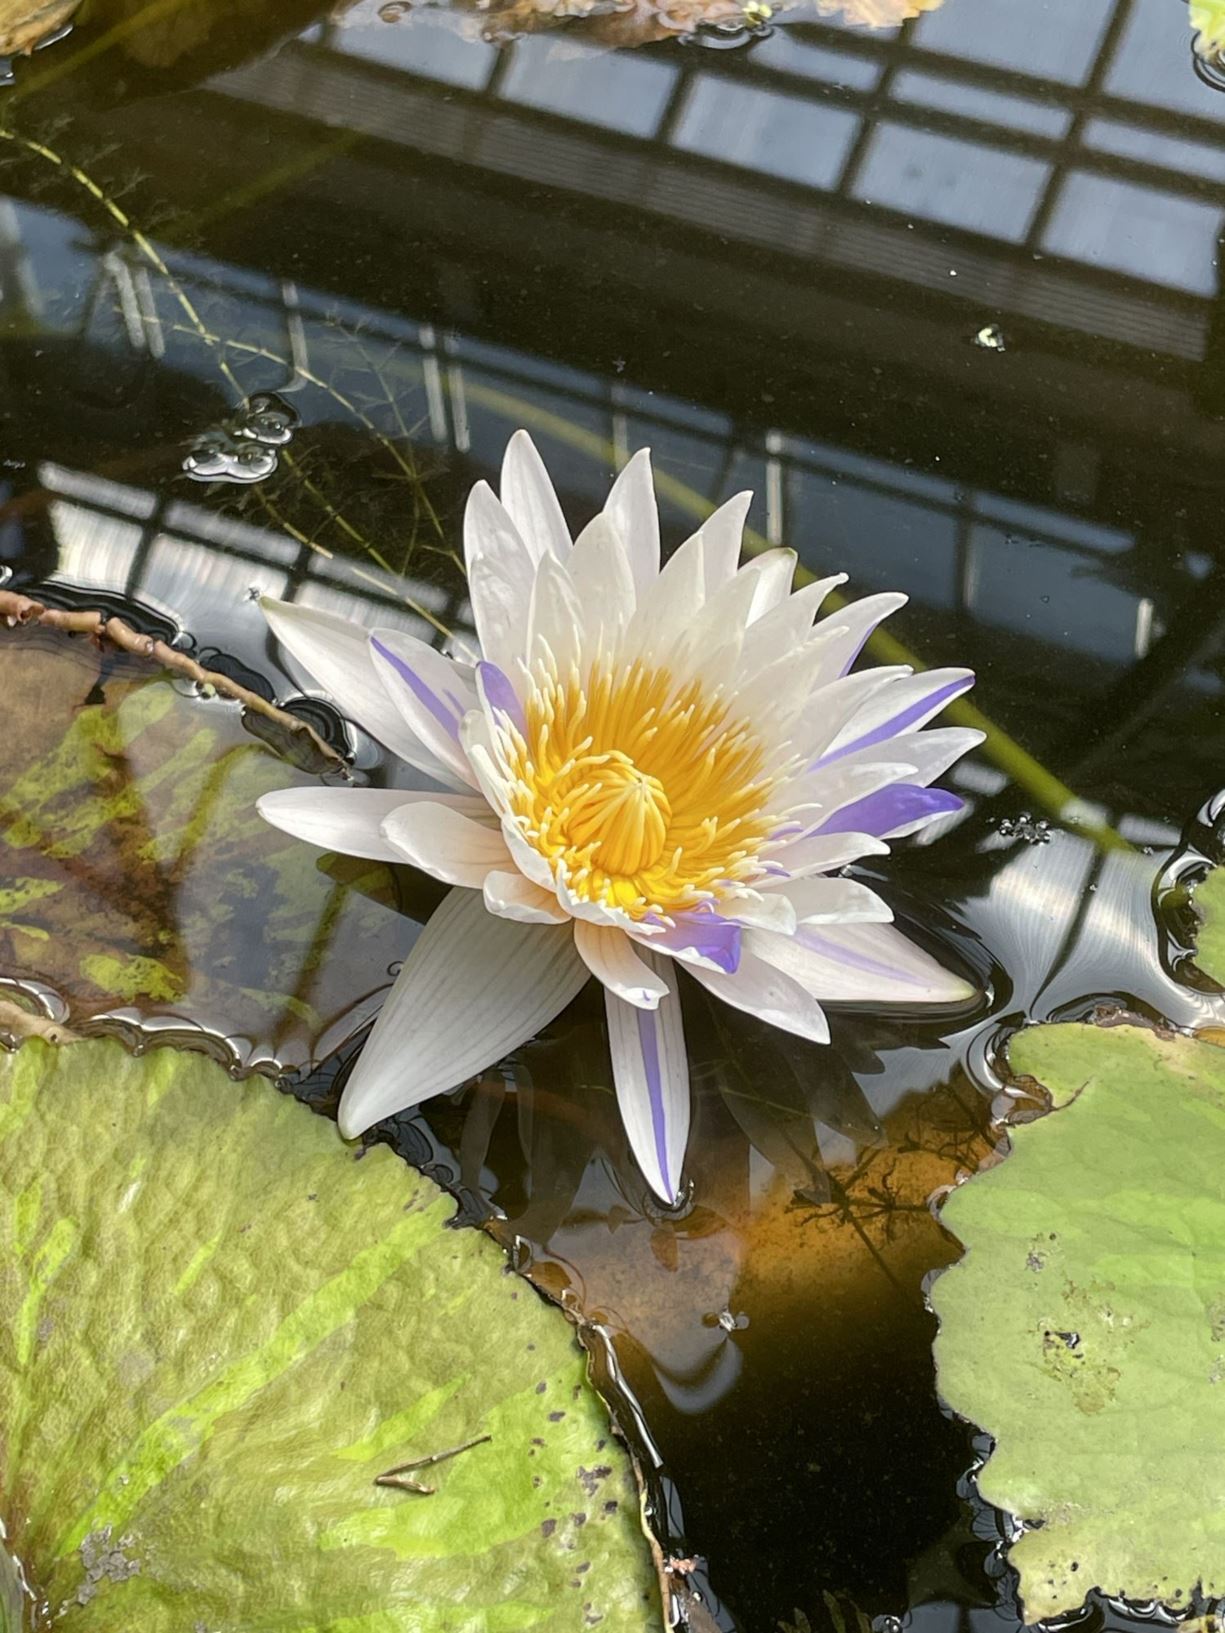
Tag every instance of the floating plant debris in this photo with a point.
(1085, 1326)
(637, 22)
(219, 1331)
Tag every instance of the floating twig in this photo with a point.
(18, 1023)
(17, 609)
(395, 1477)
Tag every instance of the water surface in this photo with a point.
(947, 297)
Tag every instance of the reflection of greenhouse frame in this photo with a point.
(1026, 771)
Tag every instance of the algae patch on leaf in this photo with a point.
(1085, 1326)
(218, 1327)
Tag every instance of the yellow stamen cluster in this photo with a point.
(641, 793)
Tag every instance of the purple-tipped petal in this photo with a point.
(888, 810)
(912, 714)
(859, 963)
(651, 1074)
(337, 654)
(445, 707)
(700, 937)
(862, 619)
(500, 695)
(430, 691)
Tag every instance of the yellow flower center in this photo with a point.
(620, 811)
(641, 793)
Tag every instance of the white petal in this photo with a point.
(477, 734)
(432, 692)
(775, 575)
(611, 958)
(632, 510)
(821, 853)
(446, 844)
(603, 583)
(930, 752)
(759, 989)
(579, 907)
(855, 624)
(770, 912)
(905, 705)
(651, 1073)
(832, 710)
(786, 625)
(500, 577)
(555, 623)
(723, 539)
(531, 501)
(473, 988)
(668, 606)
(349, 820)
(337, 653)
(781, 697)
(826, 791)
(711, 647)
(859, 963)
(511, 896)
(820, 900)
(525, 856)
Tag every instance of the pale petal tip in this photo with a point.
(350, 1120)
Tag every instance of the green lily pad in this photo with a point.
(217, 1327)
(1208, 23)
(1210, 943)
(1085, 1326)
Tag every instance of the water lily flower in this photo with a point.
(649, 769)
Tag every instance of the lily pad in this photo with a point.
(1208, 23)
(24, 23)
(217, 1328)
(1085, 1326)
(1210, 943)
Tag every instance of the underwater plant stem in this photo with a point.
(17, 609)
(1016, 762)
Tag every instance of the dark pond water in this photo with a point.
(947, 297)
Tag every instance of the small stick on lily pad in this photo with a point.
(392, 1477)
